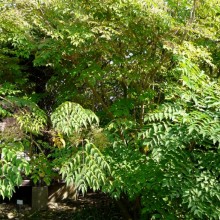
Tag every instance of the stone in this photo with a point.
(39, 198)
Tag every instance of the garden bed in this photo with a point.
(93, 206)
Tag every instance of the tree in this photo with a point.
(147, 69)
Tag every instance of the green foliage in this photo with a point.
(12, 168)
(122, 108)
(87, 168)
(33, 120)
(71, 117)
(41, 170)
(183, 135)
(128, 172)
(6, 91)
(149, 69)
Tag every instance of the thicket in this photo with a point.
(120, 96)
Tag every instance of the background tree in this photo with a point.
(148, 69)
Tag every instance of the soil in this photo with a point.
(93, 206)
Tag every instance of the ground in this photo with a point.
(93, 206)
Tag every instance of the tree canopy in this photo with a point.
(120, 96)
